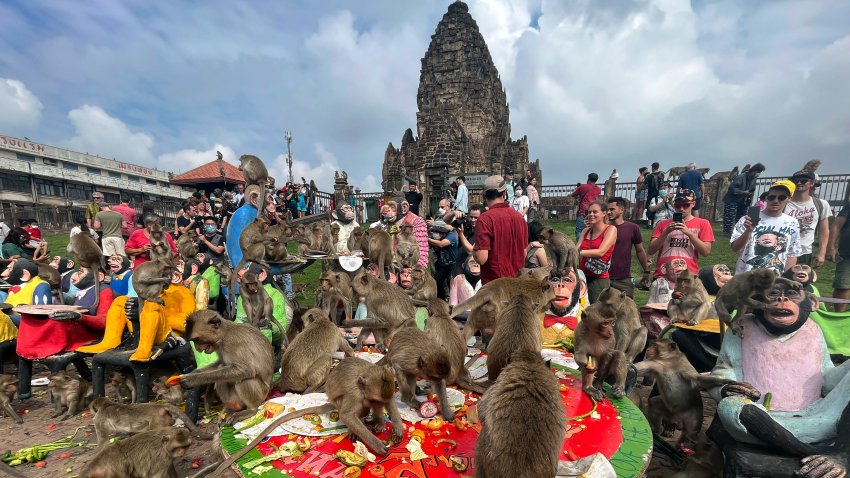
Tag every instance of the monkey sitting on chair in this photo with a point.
(690, 302)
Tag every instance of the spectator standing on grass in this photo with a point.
(586, 194)
(773, 243)
(462, 198)
(628, 237)
(661, 206)
(693, 180)
(679, 245)
(413, 197)
(596, 246)
(533, 199)
(501, 234)
(813, 215)
(739, 196)
(520, 203)
(838, 250)
(92, 210)
(129, 215)
(653, 182)
(640, 194)
(509, 182)
(111, 223)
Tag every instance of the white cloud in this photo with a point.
(99, 133)
(186, 159)
(19, 107)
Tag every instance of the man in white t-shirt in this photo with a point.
(774, 242)
(812, 214)
(520, 203)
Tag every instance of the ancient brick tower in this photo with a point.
(463, 120)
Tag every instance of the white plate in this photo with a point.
(373, 357)
(39, 382)
(477, 367)
(558, 357)
(456, 400)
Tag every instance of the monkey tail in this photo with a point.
(187, 422)
(369, 323)
(472, 303)
(263, 434)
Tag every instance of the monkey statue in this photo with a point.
(808, 396)
(562, 316)
(120, 274)
(343, 217)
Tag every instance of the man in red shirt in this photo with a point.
(129, 218)
(586, 194)
(501, 234)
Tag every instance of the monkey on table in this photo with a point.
(690, 302)
(629, 331)
(596, 352)
(523, 423)
(519, 329)
(354, 388)
(147, 454)
(334, 295)
(308, 359)
(243, 373)
(388, 306)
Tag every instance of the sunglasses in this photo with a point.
(777, 197)
(801, 180)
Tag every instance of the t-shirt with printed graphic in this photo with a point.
(677, 252)
(772, 242)
(807, 215)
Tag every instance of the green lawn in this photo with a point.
(721, 253)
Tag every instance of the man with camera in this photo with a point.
(442, 238)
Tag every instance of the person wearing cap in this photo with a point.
(462, 198)
(110, 222)
(680, 242)
(520, 203)
(586, 194)
(92, 210)
(739, 196)
(774, 242)
(813, 215)
(413, 197)
(693, 180)
(500, 234)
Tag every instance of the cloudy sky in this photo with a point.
(614, 84)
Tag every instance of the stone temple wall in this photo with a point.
(463, 122)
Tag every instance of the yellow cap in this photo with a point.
(784, 183)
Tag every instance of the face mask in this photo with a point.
(441, 212)
(209, 228)
(387, 218)
(662, 193)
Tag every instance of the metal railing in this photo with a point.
(55, 219)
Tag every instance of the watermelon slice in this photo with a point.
(428, 409)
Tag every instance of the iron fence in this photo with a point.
(55, 219)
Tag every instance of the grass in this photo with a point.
(721, 253)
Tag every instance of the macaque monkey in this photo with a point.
(243, 373)
(738, 293)
(112, 417)
(151, 277)
(276, 246)
(415, 353)
(448, 336)
(258, 306)
(596, 352)
(678, 402)
(124, 385)
(320, 238)
(523, 423)
(147, 454)
(69, 394)
(308, 359)
(171, 394)
(8, 388)
(519, 329)
(354, 388)
(335, 289)
(561, 246)
(253, 241)
(253, 170)
(380, 249)
(424, 286)
(538, 273)
(407, 249)
(334, 236)
(629, 330)
(356, 241)
(492, 297)
(159, 243)
(388, 306)
(186, 245)
(690, 302)
(89, 255)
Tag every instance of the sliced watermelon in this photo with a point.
(428, 409)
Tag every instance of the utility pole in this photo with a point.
(288, 136)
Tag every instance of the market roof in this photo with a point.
(215, 170)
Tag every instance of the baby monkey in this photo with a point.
(8, 388)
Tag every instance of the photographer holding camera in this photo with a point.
(443, 240)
